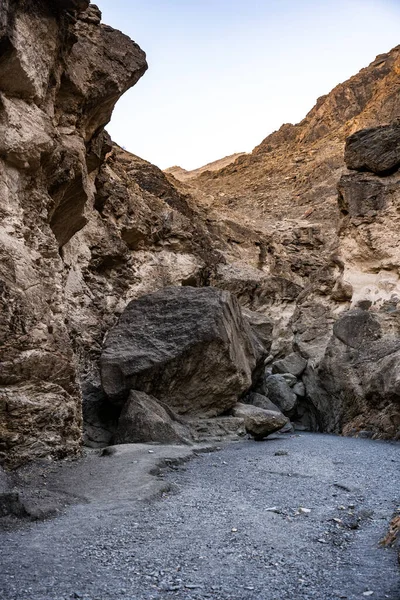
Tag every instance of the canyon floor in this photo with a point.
(295, 517)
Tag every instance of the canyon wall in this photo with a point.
(87, 227)
(61, 73)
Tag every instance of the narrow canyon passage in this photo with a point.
(288, 519)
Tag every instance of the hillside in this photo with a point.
(216, 165)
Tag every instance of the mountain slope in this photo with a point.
(297, 167)
(216, 165)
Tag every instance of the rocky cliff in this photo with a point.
(313, 239)
(61, 73)
(87, 227)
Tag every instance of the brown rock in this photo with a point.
(259, 422)
(60, 75)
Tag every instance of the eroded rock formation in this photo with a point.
(61, 73)
(307, 249)
(87, 227)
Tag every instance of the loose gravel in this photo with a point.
(295, 518)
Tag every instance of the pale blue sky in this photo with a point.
(223, 74)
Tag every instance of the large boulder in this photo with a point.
(261, 401)
(280, 393)
(259, 422)
(357, 328)
(189, 347)
(376, 149)
(143, 419)
(292, 363)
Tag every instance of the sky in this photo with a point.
(223, 74)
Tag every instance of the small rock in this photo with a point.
(368, 593)
(365, 434)
(288, 428)
(281, 453)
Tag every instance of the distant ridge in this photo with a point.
(184, 175)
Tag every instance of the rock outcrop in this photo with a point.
(189, 347)
(355, 384)
(87, 227)
(61, 73)
(376, 149)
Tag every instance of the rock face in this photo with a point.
(87, 227)
(375, 149)
(356, 387)
(305, 254)
(259, 422)
(61, 73)
(143, 419)
(189, 347)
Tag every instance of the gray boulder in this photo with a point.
(143, 419)
(261, 401)
(189, 347)
(293, 363)
(376, 149)
(258, 422)
(280, 393)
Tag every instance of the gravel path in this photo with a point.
(290, 519)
